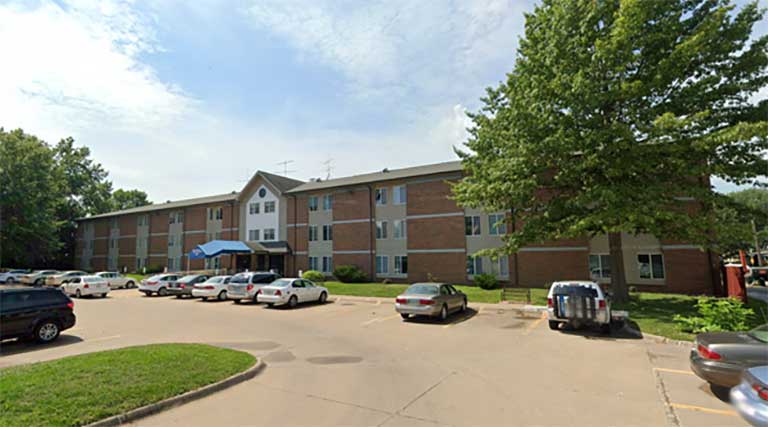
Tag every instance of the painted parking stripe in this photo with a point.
(674, 371)
(379, 319)
(703, 409)
(535, 323)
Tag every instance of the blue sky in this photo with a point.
(183, 99)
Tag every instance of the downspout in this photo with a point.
(371, 231)
(296, 233)
(514, 256)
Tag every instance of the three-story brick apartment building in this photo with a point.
(395, 224)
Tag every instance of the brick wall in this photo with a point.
(436, 233)
(539, 269)
(194, 218)
(351, 204)
(126, 246)
(127, 225)
(687, 271)
(427, 198)
(158, 222)
(446, 267)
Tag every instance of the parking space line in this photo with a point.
(379, 319)
(674, 371)
(535, 323)
(703, 409)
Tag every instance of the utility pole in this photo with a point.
(328, 166)
(285, 166)
(757, 245)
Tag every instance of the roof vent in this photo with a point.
(167, 201)
(385, 170)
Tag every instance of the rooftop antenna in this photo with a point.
(285, 166)
(328, 166)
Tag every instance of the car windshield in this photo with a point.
(281, 283)
(188, 278)
(421, 290)
(760, 333)
(239, 278)
(153, 278)
(215, 279)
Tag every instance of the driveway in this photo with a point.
(356, 363)
(758, 292)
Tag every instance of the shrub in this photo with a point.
(349, 274)
(486, 281)
(313, 275)
(386, 281)
(717, 314)
(153, 269)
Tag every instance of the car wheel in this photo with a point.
(222, 296)
(148, 294)
(205, 298)
(605, 328)
(178, 296)
(405, 316)
(10, 281)
(554, 325)
(78, 294)
(464, 305)
(47, 331)
(162, 292)
(237, 301)
(39, 282)
(270, 304)
(443, 313)
(256, 299)
(323, 297)
(130, 285)
(293, 301)
(104, 295)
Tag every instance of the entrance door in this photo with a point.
(243, 262)
(261, 262)
(276, 264)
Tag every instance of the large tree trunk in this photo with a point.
(618, 276)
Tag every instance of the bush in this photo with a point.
(349, 274)
(717, 314)
(313, 275)
(486, 281)
(153, 269)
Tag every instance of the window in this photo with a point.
(253, 208)
(651, 266)
(599, 266)
(327, 202)
(399, 196)
(219, 213)
(114, 222)
(327, 264)
(400, 229)
(313, 233)
(141, 220)
(327, 232)
(401, 264)
(170, 264)
(497, 224)
(112, 243)
(381, 229)
(171, 239)
(213, 263)
(472, 225)
(503, 262)
(180, 217)
(313, 203)
(313, 263)
(171, 219)
(217, 235)
(253, 235)
(269, 233)
(382, 264)
(269, 207)
(474, 265)
(381, 196)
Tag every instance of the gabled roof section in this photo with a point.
(384, 175)
(281, 183)
(169, 205)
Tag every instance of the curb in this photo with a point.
(154, 408)
(658, 339)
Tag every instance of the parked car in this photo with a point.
(291, 292)
(720, 357)
(117, 280)
(63, 277)
(578, 303)
(750, 397)
(39, 313)
(37, 277)
(157, 284)
(183, 287)
(12, 276)
(430, 299)
(243, 286)
(86, 285)
(214, 287)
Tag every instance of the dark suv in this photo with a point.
(39, 313)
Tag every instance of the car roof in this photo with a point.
(91, 276)
(428, 283)
(22, 288)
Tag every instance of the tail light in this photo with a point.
(426, 302)
(762, 392)
(70, 305)
(278, 293)
(86, 286)
(151, 283)
(550, 303)
(182, 286)
(249, 287)
(401, 300)
(707, 353)
(210, 288)
(601, 304)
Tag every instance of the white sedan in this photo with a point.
(117, 280)
(291, 292)
(86, 285)
(214, 287)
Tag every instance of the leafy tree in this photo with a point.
(126, 199)
(755, 201)
(614, 117)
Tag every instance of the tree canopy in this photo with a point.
(614, 118)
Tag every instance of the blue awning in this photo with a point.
(219, 247)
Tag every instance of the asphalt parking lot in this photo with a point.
(351, 362)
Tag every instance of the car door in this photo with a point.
(12, 315)
(458, 297)
(313, 292)
(444, 295)
(298, 289)
(72, 286)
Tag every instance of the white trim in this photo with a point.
(231, 229)
(165, 255)
(102, 238)
(440, 215)
(352, 221)
(300, 224)
(437, 251)
(301, 253)
(556, 249)
(127, 236)
(158, 234)
(365, 252)
(674, 247)
(195, 232)
(125, 255)
(98, 256)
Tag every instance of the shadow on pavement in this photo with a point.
(626, 331)
(11, 347)
(453, 319)
(301, 306)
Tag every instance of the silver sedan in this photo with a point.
(430, 299)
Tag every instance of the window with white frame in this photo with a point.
(180, 217)
(269, 234)
(219, 213)
(503, 265)
(170, 264)
(313, 263)
(253, 208)
(382, 264)
(381, 196)
(327, 202)
(269, 207)
(474, 265)
(400, 229)
(327, 232)
(497, 224)
(313, 233)
(599, 266)
(472, 225)
(381, 229)
(171, 219)
(253, 235)
(327, 264)
(312, 202)
(171, 239)
(651, 266)
(401, 264)
(399, 195)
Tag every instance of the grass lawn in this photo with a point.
(86, 388)
(474, 293)
(137, 277)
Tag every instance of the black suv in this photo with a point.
(39, 313)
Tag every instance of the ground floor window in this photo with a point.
(474, 265)
(382, 264)
(401, 264)
(599, 266)
(327, 264)
(253, 235)
(170, 264)
(651, 266)
(313, 263)
(503, 265)
(269, 234)
(213, 263)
